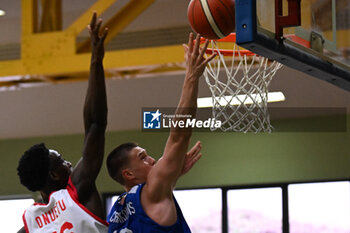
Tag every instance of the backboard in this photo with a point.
(312, 36)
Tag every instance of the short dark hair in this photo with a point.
(118, 159)
(33, 167)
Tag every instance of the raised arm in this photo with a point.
(164, 174)
(95, 121)
(95, 108)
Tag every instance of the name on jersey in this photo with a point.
(51, 215)
(122, 216)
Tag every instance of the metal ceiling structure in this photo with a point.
(52, 55)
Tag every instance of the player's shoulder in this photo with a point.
(132, 195)
(136, 188)
(52, 198)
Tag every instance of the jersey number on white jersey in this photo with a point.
(65, 226)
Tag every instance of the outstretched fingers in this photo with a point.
(204, 48)
(196, 158)
(192, 156)
(93, 21)
(200, 57)
(195, 56)
(104, 35)
(95, 25)
(190, 43)
(208, 59)
(97, 38)
(196, 46)
(195, 149)
(98, 26)
(94, 29)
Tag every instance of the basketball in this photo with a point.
(213, 19)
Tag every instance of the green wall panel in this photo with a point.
(228, 158)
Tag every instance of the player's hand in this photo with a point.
(192, 156)
(97, 40)
(194, 57)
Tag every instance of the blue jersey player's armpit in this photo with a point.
(130, 217)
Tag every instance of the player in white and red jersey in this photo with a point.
(62, 212)
(71, 200)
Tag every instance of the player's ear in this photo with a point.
(127, 174)
(53, 175)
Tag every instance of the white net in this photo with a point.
(239, 87)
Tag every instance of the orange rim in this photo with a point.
(227, 52)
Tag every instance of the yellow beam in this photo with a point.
(51, 17)
(43, 46)
(11, 68)
(69, 64)
(120, 20)
(51, 57)
(29, 17)
(144, 57)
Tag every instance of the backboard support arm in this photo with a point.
(292, 19)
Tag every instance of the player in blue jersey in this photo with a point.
(149, 206)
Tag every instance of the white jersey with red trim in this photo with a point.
(62, 212)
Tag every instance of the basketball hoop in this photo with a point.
(239, 75)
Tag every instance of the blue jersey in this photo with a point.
(131, 218)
